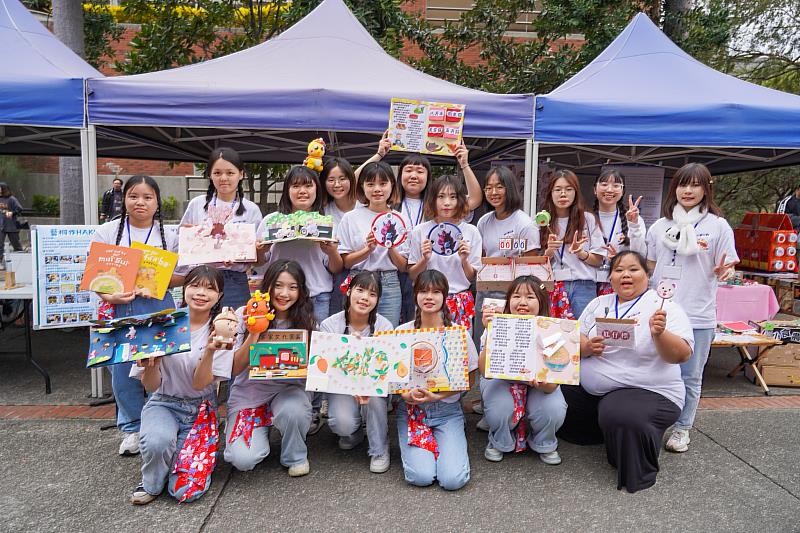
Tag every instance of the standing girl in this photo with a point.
(619, 232)
(140, 221)
(10, 209)
(318, 260)
(340, 197)
(225, 202)
(571, 241)
(456, 251)
(377, 188)
(692, 246)
(430, 425)
(505, 403)
(255, 405)
(360, 317)
(179, 422)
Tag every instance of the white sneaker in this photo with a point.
(130, 444)
(550, 458)
(379, 463)
(299, 470)
(492, 454)
(483, 425)
(316, 424)
(679, 441)
(141, 496)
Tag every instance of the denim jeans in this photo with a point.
(337, 298)
(345, 416)
(408, 306)
(692, 374)
(580, 292)
(322, 306)
(544, 413)
(166, 421)
(237, 291)
(420, 467)
(128, 391)
(291, 415)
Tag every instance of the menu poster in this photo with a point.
(59, 257)
(425, 127)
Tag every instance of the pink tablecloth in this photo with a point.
(746, 302)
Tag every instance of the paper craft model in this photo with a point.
(497, 273)
(216, 242)
(298, 225)
(283, 355)
(138, 337)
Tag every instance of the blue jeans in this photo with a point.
(580, 292)
(129, 392)
(408, 306)
(391, 297)
(345, 416)
(544, 412)
(692, 374)
(166, 421)
(237, 291)
(337, 298)
(420, 467)
(291, 415)
(322, 306)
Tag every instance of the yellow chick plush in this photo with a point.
(316, 149)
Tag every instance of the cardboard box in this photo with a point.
(766, 241)
(779, 367)
(497, 273)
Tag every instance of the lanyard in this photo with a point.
(613, 227)
(128, 223)
(233, 203)
(675, 252)
(408, 210)
(616, 306)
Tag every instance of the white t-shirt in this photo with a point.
(574, 268)
(196, 215)
(107, 234)
(516, 226)
(472, 358)
(620, 368)
(336, 324)
(449, 265)
(413, 210)
(353, 236)
(333, 210)
(308, 254)
(697, 286)
(177, 370)
(636, 232)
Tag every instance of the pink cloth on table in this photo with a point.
(746, 302)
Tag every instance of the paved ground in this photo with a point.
(741, 473)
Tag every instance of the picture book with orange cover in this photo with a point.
(155, 270)
(110, 269)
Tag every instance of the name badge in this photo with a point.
(618, 333)
(672, 272)
(562, 274)
(602, 273)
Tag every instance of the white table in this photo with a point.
(25, 293)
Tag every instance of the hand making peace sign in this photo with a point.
(633, 209)
(724, 271)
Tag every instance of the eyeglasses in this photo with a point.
(563, 190)
(331, 181)
(497, 188)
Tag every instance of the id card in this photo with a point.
(672, 272)
(562, 274)
(602, 273)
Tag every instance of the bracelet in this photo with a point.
(585, 258)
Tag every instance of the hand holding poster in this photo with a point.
(425, 127)
(619, 333)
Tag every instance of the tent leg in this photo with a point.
(531, 176)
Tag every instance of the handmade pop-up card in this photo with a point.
(358, 366)
(217, 243)
(282, 354)
(497, 273)
(298, 225)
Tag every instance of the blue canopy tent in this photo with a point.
(644, 100)
(324, 76)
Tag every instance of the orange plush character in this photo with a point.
(257, 313)
(316, 149)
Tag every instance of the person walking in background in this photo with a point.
(112, 202)
(10, 209)
(791, 206)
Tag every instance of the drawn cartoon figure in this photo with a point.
(447, 243)
(218, 216)
(666, 290)
(131, 333)
(389, 231)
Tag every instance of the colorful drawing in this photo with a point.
(345, 364)
(155, 270)
(439, 359)
(445, 238)
(282, 354)
(425, 127)
(138, 337)
(389, 229)
(110, 269)
(307, 225)
(542, 218)
(216, 242)
(524, 348)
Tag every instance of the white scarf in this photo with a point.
(681, 237)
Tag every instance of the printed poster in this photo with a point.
(425, 127)
(647, 182)
(59, 258)
(358, 366)
(439, 359)
(527, 348)
(155, 270)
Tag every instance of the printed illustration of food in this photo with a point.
(425, 127)
(110, 269)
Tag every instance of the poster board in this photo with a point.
(358, 366)
(203, 244)
(644, 181)
(524, 348)
(425, 127)
(282, 354)
(59, 258)
(439, 359)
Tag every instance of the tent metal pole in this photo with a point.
(531, 175)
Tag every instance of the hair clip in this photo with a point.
(345, 286)
(542, 287)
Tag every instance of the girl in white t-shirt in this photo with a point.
(254, 405)
(620, 231)
(339, 184)
(436, 447)
(573, 243)
(179, 425)
(140, 221)
(346, 413)
(448, 244)
(538, 404)
(377, 189)
(224, 202)
(302, 191)
(692, 246)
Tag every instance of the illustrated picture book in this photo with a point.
(527, 348)
(298, 225)
(345, 364)
(155, 270)
(283, 354)
(217, 243)
(110, 269)
(138, 337)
